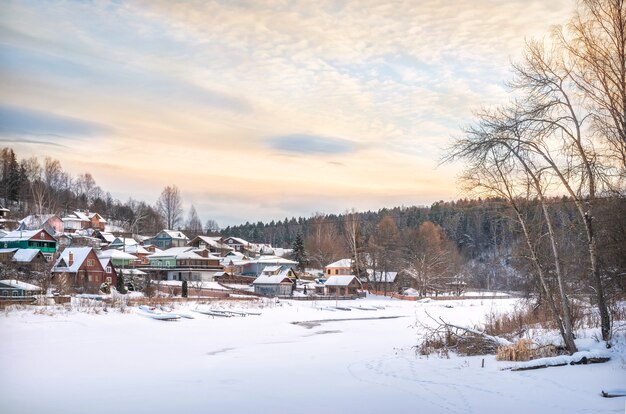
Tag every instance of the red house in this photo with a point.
(82, 268)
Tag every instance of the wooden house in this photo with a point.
(236, 243)
(14, 288)
(50, 222)
(273, 285)
(23, 260)
(212, 244)
(340, 267)
(31, 239)
(346, 285)
(166, 239)
(82, 267)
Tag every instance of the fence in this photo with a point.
(404, 297)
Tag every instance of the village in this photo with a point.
(54, 257)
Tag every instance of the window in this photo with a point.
(108, 271)
(336, 271)
(42, 236)
(89, 262)
(109, 280)
(5, 293)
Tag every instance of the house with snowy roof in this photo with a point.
(51, 222)
(119, 258)
(79, 220)
(238, 244)
(40, 239)
(169, 238)
(273, 284)
(254, 267)
(31, 260)
(340, 267)
(12, 288)
(382, 280)
(344, 285)
(185, 263)
(211, 243)
(82, 268)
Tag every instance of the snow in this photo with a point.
(19, 285)
(88, 362)
(341, 263)
(339, 280)
(25, 255)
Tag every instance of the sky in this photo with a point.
(259, 110)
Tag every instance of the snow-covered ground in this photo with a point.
(76, 362)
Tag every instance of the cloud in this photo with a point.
(311, 144)
(14, 120)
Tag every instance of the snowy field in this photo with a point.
(75, 362)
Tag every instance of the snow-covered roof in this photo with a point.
(131, 272)
(16, 284)
(25, 255)
(174, 234)
(274, 260)
(271, 269)
(136, 249)
(389, 277)
(341, 263)
(108, 237)
(340, 280)
(238, 240)
(79, 256)
(127, 241)
(116, 254)
(271, 280)
(104, 261)
(214, 242)
(171, 252)
(35, 221)
(17, 235)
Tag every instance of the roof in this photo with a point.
(25, 255)
(136, 249)
(340, 280)
(238, 240)
(18, 235)
(35, 221)
(174, 234)
(104, 261)
(16, 284)
(171, 252)
(108, 237)
(214, 242)
(389, 277)
(131, 272)
(274, 259)
(341, 263)
(271, 280)
(271, 269)
(62, 263)
(116, 254)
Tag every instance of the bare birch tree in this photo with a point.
(170, 206)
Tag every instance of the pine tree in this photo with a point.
(120, 283)
(299, 254)
(185, 289)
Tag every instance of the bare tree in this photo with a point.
(211, 226)
(595, 41)
(194, 224)
(169, 205)
(352, 235)
(429, 258)
(323, 243)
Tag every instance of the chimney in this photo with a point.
(70, 261)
